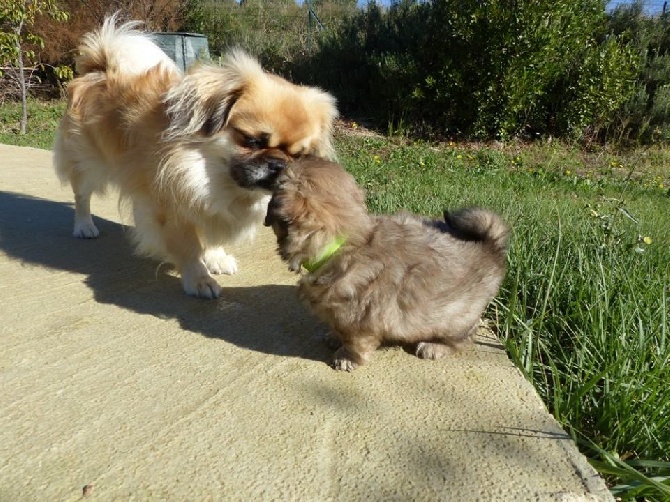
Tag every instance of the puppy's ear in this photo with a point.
(202, 101)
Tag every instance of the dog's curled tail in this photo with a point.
(476, 224)
(123, 49)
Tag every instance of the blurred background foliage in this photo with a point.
(457, 69)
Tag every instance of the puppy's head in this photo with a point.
(314, 202)
(257, 122)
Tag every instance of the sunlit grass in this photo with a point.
(43, 117)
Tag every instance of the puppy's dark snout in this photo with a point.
(276, 165)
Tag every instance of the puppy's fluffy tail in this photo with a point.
(119, 49)
(476, 224)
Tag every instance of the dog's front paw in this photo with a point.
(218, 262)
(205, 287)
(342, 361)
(427, 350)
(197, 282)
(84, 228)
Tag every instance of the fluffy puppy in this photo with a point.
(190, 152)
(384, 279)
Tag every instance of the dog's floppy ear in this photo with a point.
(202, 101)
(216, 114)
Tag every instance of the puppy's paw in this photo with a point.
(427, 350)
(197, 282)
(218, 262)
(84, 228)
(342, 361)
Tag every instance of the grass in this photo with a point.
(584, 309)
(43, 117)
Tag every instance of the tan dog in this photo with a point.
(384, 279)
(191, 153)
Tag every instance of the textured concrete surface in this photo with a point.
(112, 379)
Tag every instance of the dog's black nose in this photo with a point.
(276, 165)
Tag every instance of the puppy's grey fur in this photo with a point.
(396, 279)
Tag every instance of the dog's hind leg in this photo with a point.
(83, 183)
(440, 347)
(432, 350)
(84, 228)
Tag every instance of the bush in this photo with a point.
(646, 116)
(276, 32)
(491, 69)
(498, 68)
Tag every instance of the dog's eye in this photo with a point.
(256, 142)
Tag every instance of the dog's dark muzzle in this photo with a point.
(259, 173)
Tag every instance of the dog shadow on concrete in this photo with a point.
(268, 318)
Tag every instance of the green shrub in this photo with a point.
(276, 32)
(645, 117)
(499, 68)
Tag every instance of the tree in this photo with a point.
(17, 42)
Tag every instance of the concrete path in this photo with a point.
(114, 385)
